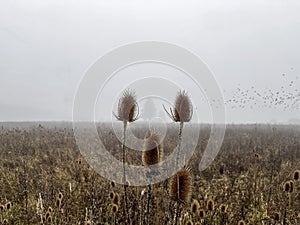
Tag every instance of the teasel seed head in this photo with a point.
(114, 208)
(180, 186)
(296, 175)
(195, 206)
(60, 196)
(223, 208)
(189, 222)
(241, 222)
(201, 213)
(113, 184)
(111, 195)
(183, 109)
(116, 199)
(8, 205)
(210, 205)
(286, 186)
(153, 150)
(127, 107)
(50, 209)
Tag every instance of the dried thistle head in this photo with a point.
(183, 109)
(286, 186)
(210, 205)
(153, 150)
(114, 208)
(195, 206)
(116, 199)
(180, 186)
(127, 107)
(223, 208)
(201, 213)
(296, 175)
(241, 222)
(111, 195)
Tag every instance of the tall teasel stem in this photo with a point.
(127, 112)
(124, 170)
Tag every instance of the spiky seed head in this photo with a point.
(50, 209)
(111, 195)
(201, 213)
(189, 222)
(195, 206)
(8, 205)
(116, 199)
(241, 222)
(223, 208)
(60, 196)
(127, 108)
(114, 208)
(113, 184)
(153, 150)
(210, 205)
(180, 186)
(296, 175)
(183, 108)
(286, 186)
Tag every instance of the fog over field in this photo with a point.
(252, 48)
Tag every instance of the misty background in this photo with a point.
(252, 48)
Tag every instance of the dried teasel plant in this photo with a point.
(180, 189)
(182, 112)
(128, 112)
(152, 154)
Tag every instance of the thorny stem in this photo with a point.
(179, 144)
(148, 203)
(124, 172)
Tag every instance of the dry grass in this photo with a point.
(45, 180)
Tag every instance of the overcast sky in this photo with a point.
(252, 47)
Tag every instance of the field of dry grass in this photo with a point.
(45, 180)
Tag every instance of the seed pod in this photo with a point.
(114, 208)
(223, 208)
(201, 213)
(153, 150)
(241, 222)
(127, 107)
(183, 108)
(195, 206)
(210, 205)
(180, 186)
(296, 175)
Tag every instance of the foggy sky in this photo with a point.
(47, 46)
